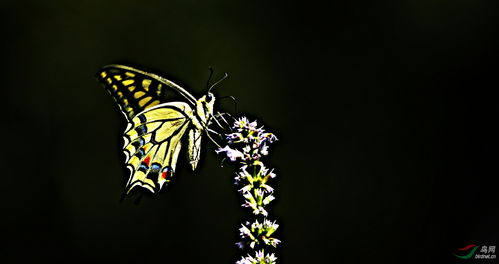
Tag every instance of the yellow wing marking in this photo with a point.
(158, 91)
(128, 82)
(154, 103)
(174, 150)
(131, 88)
(117, 77)
(129, 74)
(162, 113)
(145, 84)
(144, 101)
(167, 129)
(132, 149)
(160, 155)
(134, 162)
(138, 94)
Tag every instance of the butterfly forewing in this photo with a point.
(133, 90)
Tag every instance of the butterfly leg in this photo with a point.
(221, 115)
(218, 123)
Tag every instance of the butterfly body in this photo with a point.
(156, 129)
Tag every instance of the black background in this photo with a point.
(386, 113)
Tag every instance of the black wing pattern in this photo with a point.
(135, 90)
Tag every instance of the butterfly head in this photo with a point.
(204, 106)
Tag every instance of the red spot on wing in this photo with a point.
(147, 160)
(166, 173)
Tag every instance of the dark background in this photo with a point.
(386, 113)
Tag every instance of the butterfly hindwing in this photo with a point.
(153, 142)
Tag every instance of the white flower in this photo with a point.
(271, 227)
(234, 137)
(264, 150)
(271, 241)
(268, 199)
(232, 154)
(241, 122)
(271, 138)
(263, 170)
(249, 198)
(246, 149)
(245, 261)
(256, 225)
(270, 259)
(244, 124)
(245, 232)
(261, 211)
(251, 126)
(246, 188)
(267, 188)
(260, 258)
(259, 194)
(242, 174)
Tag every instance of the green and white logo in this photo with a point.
(468, 252)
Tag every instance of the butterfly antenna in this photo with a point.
(209, 78)
(217, 82)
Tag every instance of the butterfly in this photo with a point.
(156, 128)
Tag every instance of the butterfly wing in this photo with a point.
(135, 90)
(152, 144)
